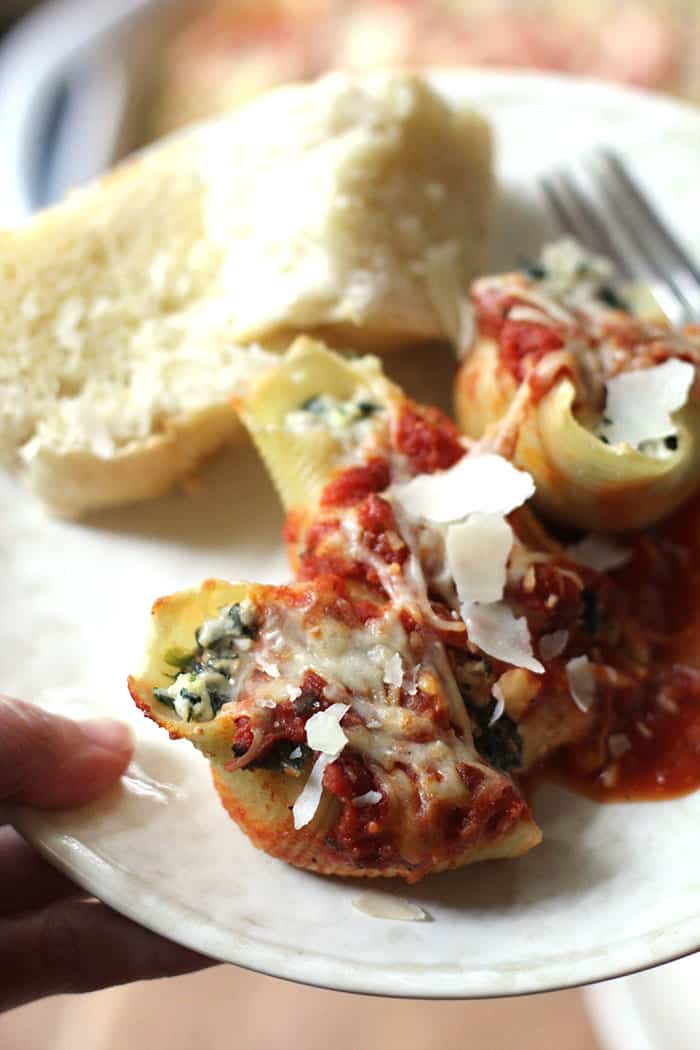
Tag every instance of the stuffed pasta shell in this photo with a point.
(334, 743)
(374, 717)
(386, 493)
(599, 404)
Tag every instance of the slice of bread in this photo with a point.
(353, 206)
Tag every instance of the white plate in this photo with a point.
(611, 890)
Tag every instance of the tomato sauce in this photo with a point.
(652, 743)
(523, 344)
(353, 484)
(428, 439)
(647, 741)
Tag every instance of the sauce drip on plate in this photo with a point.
(646, 744)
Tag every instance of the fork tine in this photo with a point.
(577, 216)
(666, 257)
(616, 168)
(643, 260)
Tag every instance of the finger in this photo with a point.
(81, 946)
(26, 880)
(51, 762)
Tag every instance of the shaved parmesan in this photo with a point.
(553, 645)
(467, 328)
(393, 671)
(477, 556)
(269, 667)
(639, 404)
(599, 553)
(500, 707)
(383, 906)
(370, 798)
(304, 809)
(579, 674)
(619, 744)
(323, 732)
(498, 633)
(476, 484)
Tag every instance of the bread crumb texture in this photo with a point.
(133, 312)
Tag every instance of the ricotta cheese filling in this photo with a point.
(210, 674)
(351, 423)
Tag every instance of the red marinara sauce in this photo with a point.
(521, 343)
(646, 744)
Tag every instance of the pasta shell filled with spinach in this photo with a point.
(311, 750)
(401, 499)
(374, 717)
(309, 415)
(600, 404)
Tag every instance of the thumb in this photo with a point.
(50, 762)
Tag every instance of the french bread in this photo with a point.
(132, 313)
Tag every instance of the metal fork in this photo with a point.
(604, 208)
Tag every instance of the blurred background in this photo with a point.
(83, 82)
(146, 67)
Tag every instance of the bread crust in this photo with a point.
(71, 484)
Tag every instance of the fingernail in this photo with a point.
(109, 734)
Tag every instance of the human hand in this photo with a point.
(53, 937)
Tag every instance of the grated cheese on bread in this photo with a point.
(132, 313)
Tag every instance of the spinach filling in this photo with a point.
(205, 675)
(284, 757)
(592, 617)
(499, 744)
(604, 292)
(534, 270)
(339, 412)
